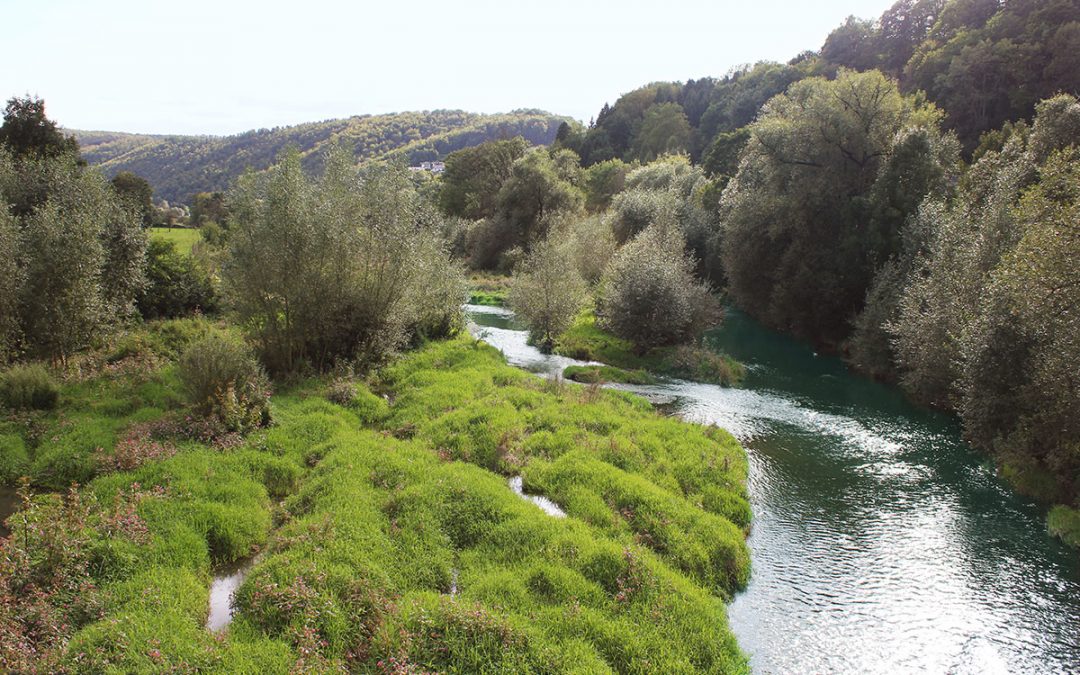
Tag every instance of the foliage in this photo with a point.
(537, 193)
(820, 199)
(209, 207)
(28, 387)
(985, 325)
(347, 266)
(602, 181)
(10, 285)
(690, 117)
(79, 255)
(589, 244)
(223, 381)
(136, 193)
(26, 131)
(473, 177)
(649, 294)
(175, 284)
(181, 166)
(547, 292)
(664, 130)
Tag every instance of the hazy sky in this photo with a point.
(219, 67)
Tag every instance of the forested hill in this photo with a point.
(180, 166)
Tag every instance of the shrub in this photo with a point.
(649, 294)
(176, 286)
(547, 294)
(344, 267)
(224, 382)
(28, 387)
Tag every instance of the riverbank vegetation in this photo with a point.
(366, 484)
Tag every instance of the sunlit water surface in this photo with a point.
(881, 543)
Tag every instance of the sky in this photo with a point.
(223, 67)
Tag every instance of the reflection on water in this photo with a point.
(224, 586)
(881, 543)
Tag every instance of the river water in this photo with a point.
(881, 543)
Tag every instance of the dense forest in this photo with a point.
(180, 166)
(292, 401)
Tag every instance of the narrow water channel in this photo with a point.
(881, 543)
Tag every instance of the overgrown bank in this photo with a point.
(390, 540)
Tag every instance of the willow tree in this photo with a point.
(345, 266)
(547, 292)
(800, 241)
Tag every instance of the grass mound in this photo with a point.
(587, 341)
(600, 374)
(389, 538)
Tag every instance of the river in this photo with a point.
(881, 542)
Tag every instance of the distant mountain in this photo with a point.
(180, 166)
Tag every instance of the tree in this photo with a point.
(664, 130)
(209, 207)
(602, 182)
(137, 193)
(28, 132)
(921, 165)
(547, 293)
(971, 237)
(649, 295)
(10, 285)
(80, 254)
(536, 193)
(175, 284)
(473, 177)
(799, 240)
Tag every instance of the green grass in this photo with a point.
(488, 290)
(368, 513)
(586, 340)
(600, 374)
(183, 237)
(1064, 522)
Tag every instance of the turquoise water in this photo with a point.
(881, 543)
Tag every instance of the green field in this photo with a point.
(183, 237)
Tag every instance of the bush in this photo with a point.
(28, 387)
(224, 382)
(176, 286)
(345, 267)
(649, 294)
(548, 294)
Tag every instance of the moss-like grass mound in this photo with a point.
(586, 340)
(391, 542)
(1064, 522)
(601, 374)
